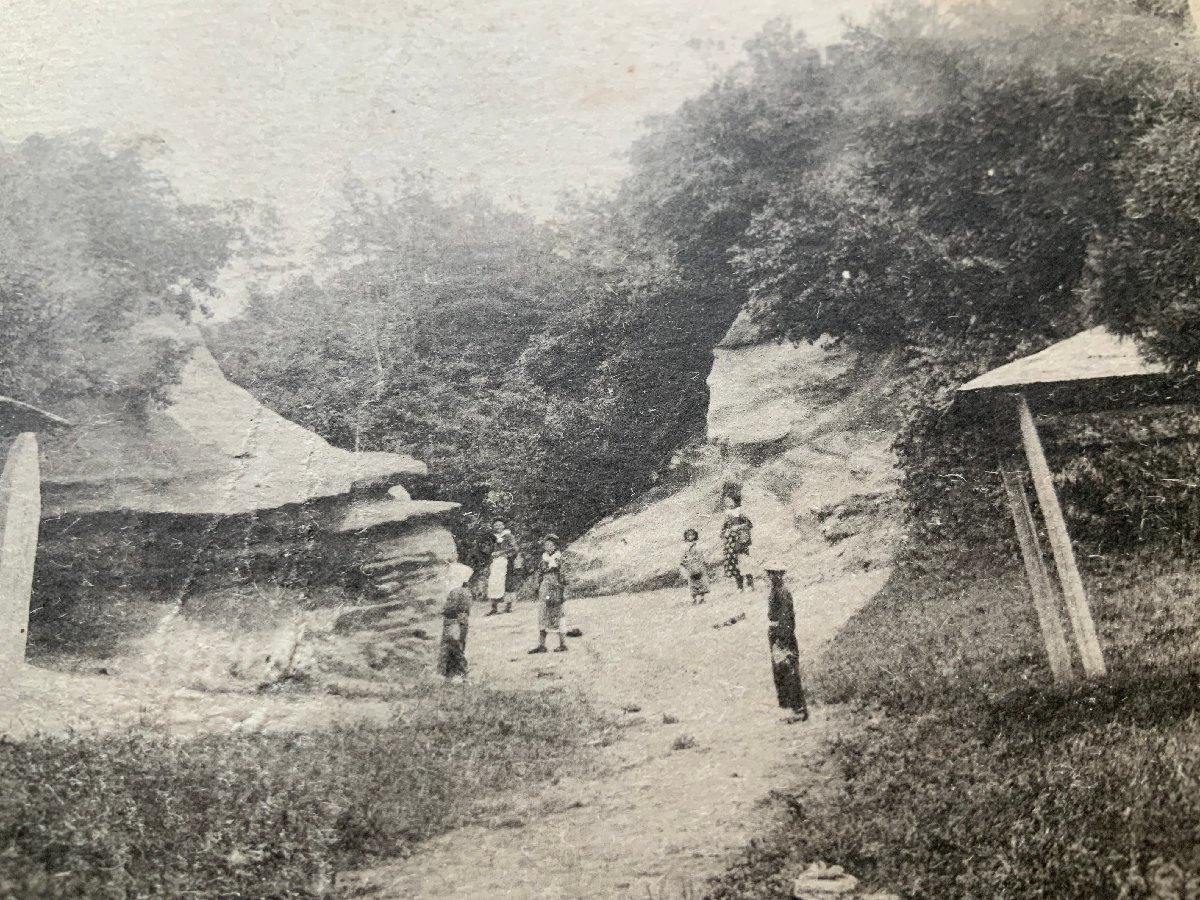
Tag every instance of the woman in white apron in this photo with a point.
(502, 571)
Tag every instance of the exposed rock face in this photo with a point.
(211, 500)
(210, 449)
(408, 562)
(807, 433)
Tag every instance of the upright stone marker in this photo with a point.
(20, 513)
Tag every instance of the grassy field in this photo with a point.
(969, 776)
(269, 815)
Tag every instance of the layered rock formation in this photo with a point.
(182, 504)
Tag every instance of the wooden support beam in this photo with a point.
(1078, 610)
(1044, 595)
(20, 517)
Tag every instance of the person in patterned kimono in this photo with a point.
(735, 537)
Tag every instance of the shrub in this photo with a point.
(928, 642)
(683, 742)
(1090, 797)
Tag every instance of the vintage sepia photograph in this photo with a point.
(647, 449)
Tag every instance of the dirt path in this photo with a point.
(37, 700)
(652, 816)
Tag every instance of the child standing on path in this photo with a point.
(694, 565)
(785, 653)
(452, 656)
(550, 596)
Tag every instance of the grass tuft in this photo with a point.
(683, 742)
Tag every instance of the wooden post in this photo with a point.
(1039, 579)
(20, 515)
(1060, 543)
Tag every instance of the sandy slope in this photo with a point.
(650, 815)
(808, 434)
(178, 678)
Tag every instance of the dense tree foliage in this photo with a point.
(94, 247)
(946, 186)
(955, 188)
(412, 342)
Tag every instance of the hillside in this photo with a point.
(807, 431)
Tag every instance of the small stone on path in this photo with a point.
(821, 881)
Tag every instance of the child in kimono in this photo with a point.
(694, 566)
(456, 613)
(735, 537)
(550, 596)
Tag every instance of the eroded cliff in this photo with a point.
(807, 432)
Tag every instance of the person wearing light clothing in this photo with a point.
(695, 569)
(502, 574)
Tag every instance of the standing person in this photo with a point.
(502, 573)
(694, 565)
(456, 614)
(551, 595)
(785, 652)
(735, 536)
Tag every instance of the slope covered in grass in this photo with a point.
(969, 775)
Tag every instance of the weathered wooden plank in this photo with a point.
(1044, 595)
(1078, 610)
(20, 515)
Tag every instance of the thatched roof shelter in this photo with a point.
(1094, 370)
(1093, 354)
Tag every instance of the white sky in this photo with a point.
(276, 101)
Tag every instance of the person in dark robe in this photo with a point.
(785, 652)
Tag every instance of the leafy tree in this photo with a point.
(940, 189)
(411, 342)
(98, 256)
